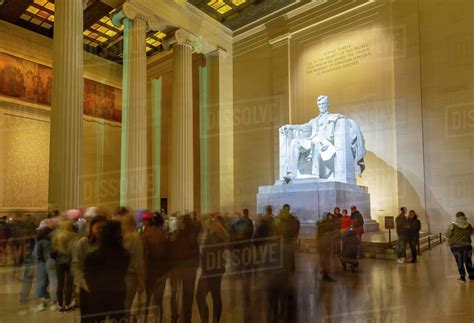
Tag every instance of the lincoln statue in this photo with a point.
(329, 147)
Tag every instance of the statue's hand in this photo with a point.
(286, 128)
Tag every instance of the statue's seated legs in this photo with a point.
(294, 154)
(302, 146)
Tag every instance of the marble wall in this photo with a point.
(447, 93)
(24, 142)
(402, 69)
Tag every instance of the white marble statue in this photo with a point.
(328, 147)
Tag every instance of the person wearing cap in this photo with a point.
(146, 219)
(45, 267)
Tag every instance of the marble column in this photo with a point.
(65, 162)
(181, 197)
(134, 172)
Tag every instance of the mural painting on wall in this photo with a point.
(32, 82)
(101, 101)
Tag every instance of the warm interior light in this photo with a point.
(223, 6)
(41, 2)
(222, 10)
(238, 2)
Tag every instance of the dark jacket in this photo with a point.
(155, 245)
(414, 226)
(326, 234)
(265, 228)
(5, 233)
(184, 246)
(105, 277)
(357, 222)
(403, 226)
(242, 229)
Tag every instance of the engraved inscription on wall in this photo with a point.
(338, 58)
(26, 162)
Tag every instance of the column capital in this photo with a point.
(183, 37)
(133, 11)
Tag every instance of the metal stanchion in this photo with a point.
(429, 242)
(440, 238)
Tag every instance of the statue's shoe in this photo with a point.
(289, 177)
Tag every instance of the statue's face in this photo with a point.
(323, 103)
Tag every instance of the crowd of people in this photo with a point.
(340, 234)
(117, 265)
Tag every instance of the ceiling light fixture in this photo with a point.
(224, 6)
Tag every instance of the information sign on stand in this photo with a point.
(389, 224)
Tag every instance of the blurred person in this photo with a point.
(76, 217)
(85, 246)
(146, 221)
(120, 212)
(338, 221)
(63, 243)
(241, 234)
(104, 275)
(459, 238)
(45, 268)
(5, 235)
(358, 225)
(350, 245)
(345, 221)
(325, 238)
(242, 227)
(265, 225)
(212, 268)
(19, 236)
(29, 225)
(414, 226)
(156, 245)
(135, 277)
(288, 226)
(184, 252)
(403, 229)
(28, 273)
(281, 292)
(262, 237)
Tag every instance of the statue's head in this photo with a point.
(323, 103)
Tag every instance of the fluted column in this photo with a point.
(181, 197)
(65, 163)
(133, 179)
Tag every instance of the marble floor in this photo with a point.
(382, 291)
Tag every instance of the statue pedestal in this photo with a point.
(311, 199)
